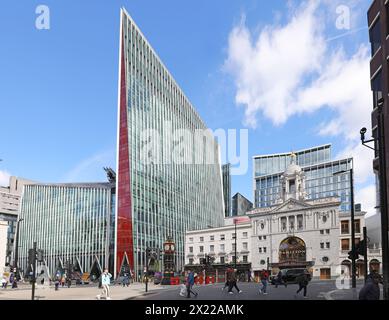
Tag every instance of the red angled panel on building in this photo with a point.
(124, 216)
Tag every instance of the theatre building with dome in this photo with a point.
(295, 232)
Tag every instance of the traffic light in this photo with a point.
(360, 247)
(353, 255)
(31, 256)
(40, 255)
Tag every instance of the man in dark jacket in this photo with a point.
(228, 276)
(303, 281)
(371, 289)
(232, 282)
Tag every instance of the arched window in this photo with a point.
(292, 251)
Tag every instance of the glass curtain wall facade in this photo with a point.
(319, 170)
(276, 163)
(162, 198)
(227, 189)
(240, 205)
(69, 223)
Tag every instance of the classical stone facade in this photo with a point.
(297, 234)
(293, 233)
(3, 244)
(305, 233)
(9, 209)
(219, 243)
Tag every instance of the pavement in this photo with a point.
(317, 290)
(80, 292)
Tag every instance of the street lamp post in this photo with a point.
(366, 240)
(16, 255)
(236, 236)
(383, 199)
(146, 269)
(379, 148)
(353, 263)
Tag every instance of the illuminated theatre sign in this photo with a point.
(292, 251)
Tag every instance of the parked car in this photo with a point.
(290, 275)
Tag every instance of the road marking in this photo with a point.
(327, 295)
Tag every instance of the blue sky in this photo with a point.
(58, 95)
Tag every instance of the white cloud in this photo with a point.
(366, 196)
(363, 161)
(269, 70)
(343, 86)
(4, 178)
(291, 69)
(90, 169)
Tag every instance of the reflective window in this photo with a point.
(375, 36)
(376, 87)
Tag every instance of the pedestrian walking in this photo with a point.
(228, 276)
(105, 282)
(100, 283)
(12, 279)
(371, 289)
(15, 283)
(280, 280)
(4, 283)
(131, 276)
(264, 278)
(63, 279)
(57, 282)
(232, 282)
(126, 279)
(190, 280)
(303, 281)
(249, 278)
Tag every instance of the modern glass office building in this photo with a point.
(319, 170)
(159, 193)
(240, 205)
(71, 223)
(227, 189)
